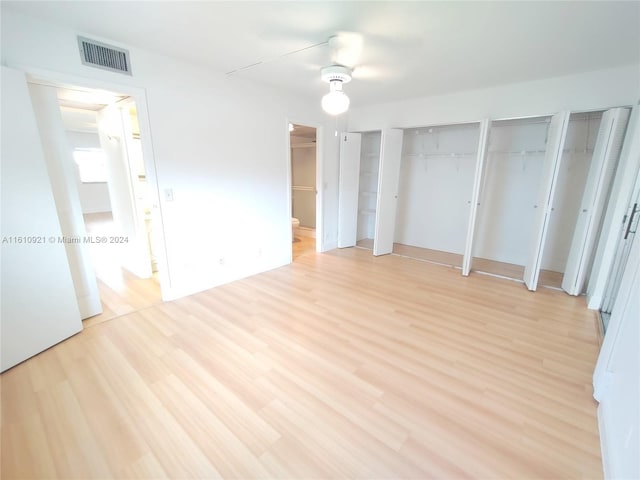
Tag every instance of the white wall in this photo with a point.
(225, 189)
(94, 197)
(589, 91)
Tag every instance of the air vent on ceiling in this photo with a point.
(100, 55)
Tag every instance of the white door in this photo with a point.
(349, 181)
(594, 199)
(389, 176)
(39, 307)
(60, 166)
(544, 202)
(128, 215)
(615, 378)
(483, 144)
(619, 210)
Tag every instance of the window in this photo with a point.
(92, 164)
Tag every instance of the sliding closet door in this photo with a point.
(553, 155)
(348, 189)
(594, 199)
(390, 155)
(483, 143)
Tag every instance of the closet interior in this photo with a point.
(436, 180)
(368, 188)
(513, 170)
(573, 170)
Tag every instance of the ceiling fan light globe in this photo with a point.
(335, 102)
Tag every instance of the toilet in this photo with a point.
(294, 224)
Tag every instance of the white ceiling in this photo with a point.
(408, 49)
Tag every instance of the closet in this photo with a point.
(434, 193)
(519, 198)
(509, 189)
(368, 188)
(573, 169)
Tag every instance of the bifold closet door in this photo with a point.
(603, 165)
(619, 209)
(348, 189)
(483, 143)
(552, 157)
(389, 176)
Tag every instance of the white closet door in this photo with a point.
(544, 202)
(483, 144)
(603, 165)
(619, 209)
(349, 180)
(38, 307)
(389, 176)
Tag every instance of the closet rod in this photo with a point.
(517, 152)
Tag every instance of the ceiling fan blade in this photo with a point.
(277, 57)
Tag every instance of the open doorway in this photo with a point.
(303, 189)
(107, 168)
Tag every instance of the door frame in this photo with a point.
(320, 244)
(59, 79)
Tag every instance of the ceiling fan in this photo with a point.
(346, 49)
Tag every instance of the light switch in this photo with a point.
(168, 194)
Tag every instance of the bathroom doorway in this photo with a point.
(103, 179)
(302, 140)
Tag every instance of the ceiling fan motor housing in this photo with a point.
(336, 73)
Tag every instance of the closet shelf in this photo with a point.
(365, 173)
(303, 188)
(441, 155)
(517, 152)
(303, 145)
(367, 193)
(367, 211)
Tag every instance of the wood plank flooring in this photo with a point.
(340, 365)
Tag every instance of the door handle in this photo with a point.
(633, 214)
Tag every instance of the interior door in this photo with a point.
(389, 176)
(544, 202)
(350, 144)
(39, 307)
(594, 199)
(127, 214)
(483, 144)
(60, 166)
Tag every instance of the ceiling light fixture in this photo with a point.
(336, 101)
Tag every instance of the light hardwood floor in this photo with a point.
(121, 292)
(340, 365)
